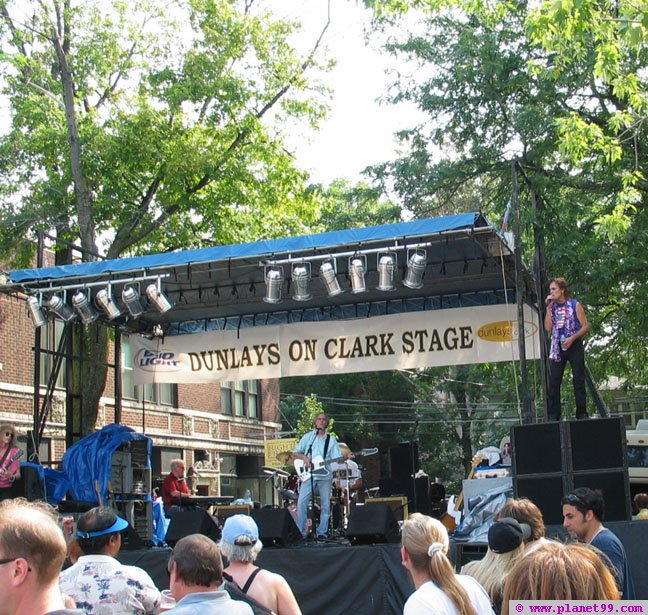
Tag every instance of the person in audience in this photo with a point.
(524, 510)
(240, 546)
(424, 545)
(32, 551)
(195, 575)
(557, 571)
(583, 514)
(97, 582)
(505, 547)
(641, 502)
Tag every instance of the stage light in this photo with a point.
(36, 312)
(158, 298)
(130, 297)
(416, 264)
(82, 305)
(357, 270)
(386, 266)
(60, 308)
(274, 277)
(329, 277)
(301, 275)
(105, 301)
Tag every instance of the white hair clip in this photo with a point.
(435, 547)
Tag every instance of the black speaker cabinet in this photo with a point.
(615, 487)
(276, 526)
(29, 485)
(598, 443)
(537, 448)
(372, 524)
(404, 460)
(545, 492)
(186, 522)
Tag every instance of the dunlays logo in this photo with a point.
(150, 361)
(505, 331)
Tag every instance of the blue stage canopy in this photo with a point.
(465, 260)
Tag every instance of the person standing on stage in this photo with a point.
(316, 445)
(9, 467)
(565, 319)
(174, 486)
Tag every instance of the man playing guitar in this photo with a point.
(316, 444)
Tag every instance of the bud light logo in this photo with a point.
(151, 361)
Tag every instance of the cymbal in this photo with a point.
(344, 449)
(275, 471)
(285, 456)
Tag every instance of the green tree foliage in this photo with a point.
(147, 126)
(306, 420)
(558, 88)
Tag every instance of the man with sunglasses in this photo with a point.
(98, 582)
(32, 551)
(583, 512)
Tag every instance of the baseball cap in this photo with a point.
(240, 530)
(507, 534)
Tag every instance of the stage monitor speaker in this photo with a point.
(537, 448)
(398, 505)
(404, 460)
(545, 492)
(222, 512)
(276, 526)
(597, 443)
(372, 524)
(186, 522)
(615, 488)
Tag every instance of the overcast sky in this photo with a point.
(359, 129)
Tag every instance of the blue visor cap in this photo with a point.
(118, 526)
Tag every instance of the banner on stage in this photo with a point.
(410, 340)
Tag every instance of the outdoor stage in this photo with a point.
(339, 578)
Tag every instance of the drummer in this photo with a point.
(347, 475)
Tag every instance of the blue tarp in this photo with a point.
(90, 459)
(258, 249)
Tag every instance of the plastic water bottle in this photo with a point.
(248, 496)
(563, 337)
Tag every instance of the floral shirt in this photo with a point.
(100, 585)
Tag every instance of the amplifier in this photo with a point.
(398, 505)
(222, 512)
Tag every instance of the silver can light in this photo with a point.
(158, 298)
(386, 266)
(301, 281)
(130, 297)
(274, 278)
(106, 302)
(36, 312)
(416, 264)
(60, 308)
(357, 270)
(329, 277)
(84, 308)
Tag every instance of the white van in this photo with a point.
(637, 447)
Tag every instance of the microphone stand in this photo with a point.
(310, 511)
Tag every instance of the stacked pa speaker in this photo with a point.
(551, 459)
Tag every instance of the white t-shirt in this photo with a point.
(431, 600)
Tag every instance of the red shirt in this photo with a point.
(170, 484)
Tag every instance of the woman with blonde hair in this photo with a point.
(557, 571)
(9, 464)
(424, 545)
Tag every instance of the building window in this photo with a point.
(164, 394)
(241, 398)
(51, 335)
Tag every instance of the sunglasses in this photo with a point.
(573, 500)
(11, 559)
(8, 433)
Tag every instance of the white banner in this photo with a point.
(398, 341)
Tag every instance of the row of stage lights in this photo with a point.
(82, 304)
(300, 275)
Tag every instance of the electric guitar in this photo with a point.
(17, 455)
(318, 465)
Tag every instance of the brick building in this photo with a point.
(219, 429)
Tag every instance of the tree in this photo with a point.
(502, 83)
(140, 127)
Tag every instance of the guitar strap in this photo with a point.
(328, 439)
(4, 457)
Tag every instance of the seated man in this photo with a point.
(32, 551)
(97, 582)
(195, 575)
(174, 486)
